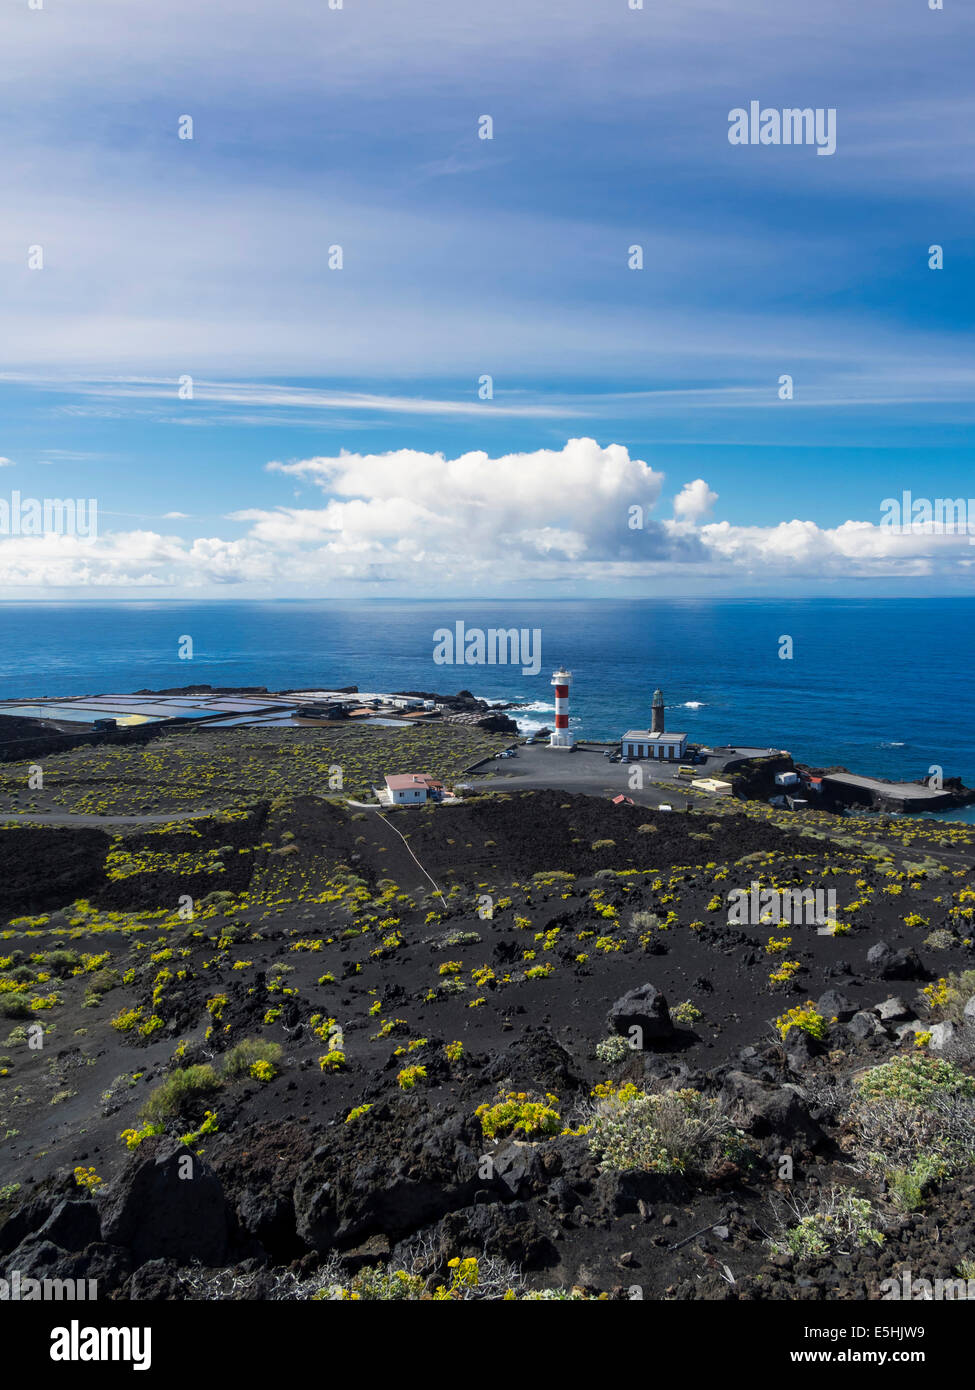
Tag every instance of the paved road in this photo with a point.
(583, 770)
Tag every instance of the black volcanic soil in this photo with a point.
(315, 914)
(532, 832)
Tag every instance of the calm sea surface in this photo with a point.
(883, 686)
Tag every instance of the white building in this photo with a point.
(641, 743)
(714, 785)
(412, 788)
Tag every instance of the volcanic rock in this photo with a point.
(889, 964)
(644, 1008)
(158, 1212)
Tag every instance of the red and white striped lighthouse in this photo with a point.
(561, 679)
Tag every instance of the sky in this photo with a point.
(485, 396)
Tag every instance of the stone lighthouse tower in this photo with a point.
(657, 717)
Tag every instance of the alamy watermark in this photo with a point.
(78, 1343)
(498, 646)
(17, 1289)
(792, 125)
(42, 516)
(937, 1290)
(908, 515)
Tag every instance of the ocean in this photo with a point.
(884, 687)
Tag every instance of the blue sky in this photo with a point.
(463, 257)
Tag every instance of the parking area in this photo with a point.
(582, 769)
(585, 770)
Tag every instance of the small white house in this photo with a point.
(641, 743)
(786, 779)
(413, 788)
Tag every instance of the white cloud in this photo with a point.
(425, 523)
(6, 463)
(694, 501)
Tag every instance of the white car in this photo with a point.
(665, 807)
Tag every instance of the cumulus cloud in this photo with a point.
(424, 522)
(473, 509)
(694, 501)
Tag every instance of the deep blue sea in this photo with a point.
(883, 686)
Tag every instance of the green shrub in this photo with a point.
(835, 1221)
(686, 1012)
(907, 1185)
(241, 1058)
(61, 962)
(941, 940)
(949, 996)
(178, 1092)
(612, 1051)
(15, 1006)
(916, 1079)
(459, 938)
(675, 1132)
(20, 974)
(102, 981)
(518, 1112)
(913, 1123)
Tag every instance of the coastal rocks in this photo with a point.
(167, 1204)
(644, 1008)
(496, 724)
(888, 964)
